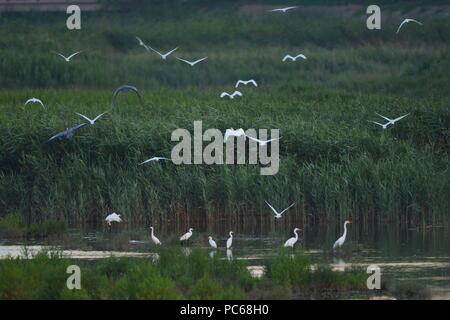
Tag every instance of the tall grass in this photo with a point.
(333, 162)
(175, 276)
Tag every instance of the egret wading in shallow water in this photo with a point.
(154, 238)
(113, 217)
(340, 242)
(292, 241)
(187, 235)
(230, 240)
(212, 243)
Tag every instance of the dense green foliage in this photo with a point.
(174, 276)
(333, 162)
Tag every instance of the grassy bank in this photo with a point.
(175, 276)
(334, 163)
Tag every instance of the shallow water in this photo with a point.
(421, 256)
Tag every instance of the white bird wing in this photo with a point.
(40, 102)
(224, 94)
(155, 51)
(301, 56)
(237, 93)
(253, 82)
(401, 24)
(61, 55)
(287, 208)
(239, 82)
(273, 209)
(83, 116)
(288, 56)
(185, 236)
(171, 51)
(381, 125)
(274, 139)
(141, 43)
(199, 60)
(254, 139)
(73, 55)
(385, 118)
(98, 117)
(414, 20)
(186, 61)
(399, 118)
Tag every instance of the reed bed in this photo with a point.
(334, 163)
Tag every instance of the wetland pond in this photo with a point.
(419, 256)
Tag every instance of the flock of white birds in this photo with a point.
(114, 217)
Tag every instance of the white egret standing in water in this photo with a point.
(292, 241)
(340, 242)
(154, 239)
(212, 243)
(230, 240)
(187, 235)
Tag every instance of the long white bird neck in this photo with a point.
(152, 233)
(231, 235)
(345, 230)
(296, 235)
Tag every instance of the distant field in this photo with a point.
(334, 163)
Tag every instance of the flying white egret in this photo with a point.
(91, 121)
(125, 88)
(163, 56)
(154, 238)
(230, 240)
(113, 217)
(67, 59)
(231, 96)
(246, 82)
(283, 9)
(292, 241)
(384, 126)
(407, 20)
(278, 215)
(263, 142)
(35, 100)
(392, 121)
(154, 159)
(233, 133)
(340, 242)
(67, 133)
(288, 56)
(212, 243)
(192, 63)
(187, 235)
